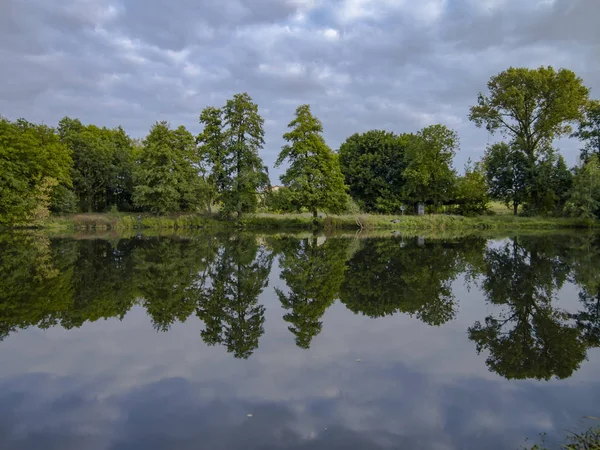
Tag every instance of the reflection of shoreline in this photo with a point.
(68, 282)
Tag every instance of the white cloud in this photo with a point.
(331, 33)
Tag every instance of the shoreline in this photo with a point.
(303, 222)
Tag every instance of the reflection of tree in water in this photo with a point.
(102, 280)
(48, 282)
(585, 263)
(530, 338)
(384, 278)
(167, 274)
(34, 288)
(313, 274)
(64, 281)
(228, 305)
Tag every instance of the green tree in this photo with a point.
(506, 172)
(213, 153)
(429, 174)
(584, 198)
(93, 167)
(119, 189)
(280, 201)
(244, 170)
(314, 178)
(548, 187)
(529, 337)
(102, 165)
(313, 274)
(562, 182)
(589, 130)
(373, 165)
(165, 177)
(33, 162)
(472, 190)
(191, 183)
(229, 306)
(532, 107)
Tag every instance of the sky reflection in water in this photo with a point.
(161, 343)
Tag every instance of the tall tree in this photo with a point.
(32, 163)
(165, 179)
(119, 189)
(213, 153)
(373, 165)
(102, 164)
(506, 172)
(429, 174)
(245, 172)
(531, 107)
(92, 161)
(589, 130)
(191, 184)
(314, 176)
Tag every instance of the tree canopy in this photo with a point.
(165, 177)
(313, 177)
(33, 162)
(589, 130)
(373, 165)
(531, 106)
(429, 174)
(245, 172)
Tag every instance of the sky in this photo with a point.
(397, 65)
(119, 384)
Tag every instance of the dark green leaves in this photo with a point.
(229, 146)
(313, 178)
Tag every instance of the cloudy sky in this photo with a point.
(362, 64)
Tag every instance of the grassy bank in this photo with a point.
(407, 224)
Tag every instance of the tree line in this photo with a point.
(219, 280)
(85, 168)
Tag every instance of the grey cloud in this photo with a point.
(414, 413)
(361, 64)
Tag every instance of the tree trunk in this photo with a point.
(515, 208)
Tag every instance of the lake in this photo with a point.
(297, 342)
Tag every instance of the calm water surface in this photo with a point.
(248, 342)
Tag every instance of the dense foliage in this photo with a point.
(531, 107)
(85, 168)
(33, 162)
(314, 178)
(373, 164)
(524, 331)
